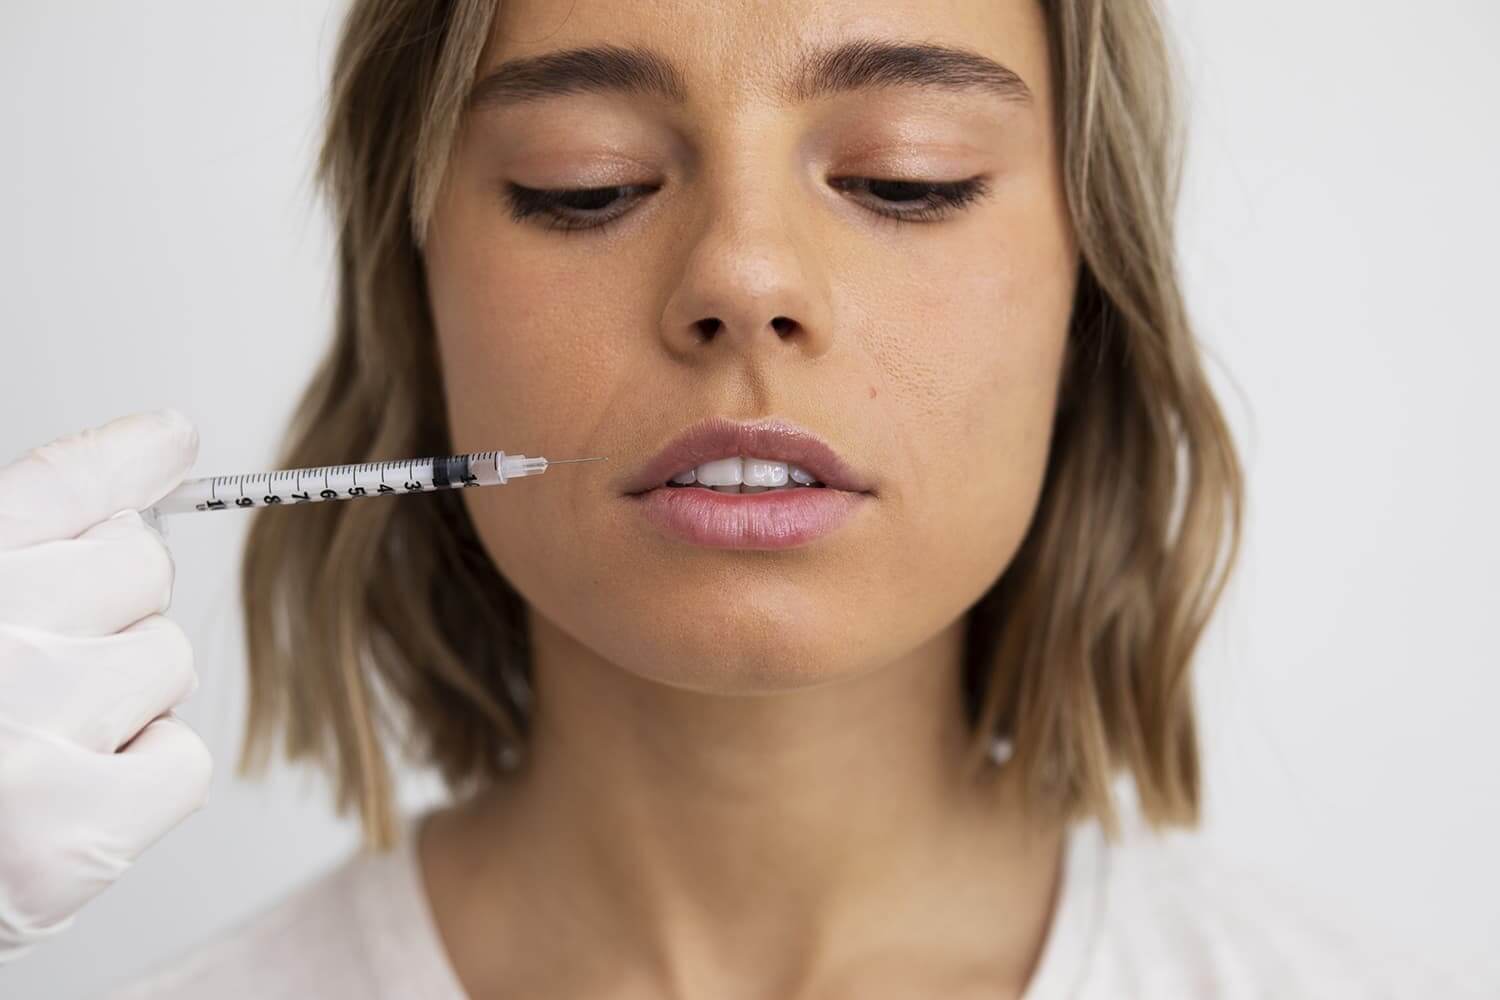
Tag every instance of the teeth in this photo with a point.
(764, 472)
(749, 475)
(723, 472)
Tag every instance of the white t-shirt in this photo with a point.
(1152, 915)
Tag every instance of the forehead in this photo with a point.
(777, 51)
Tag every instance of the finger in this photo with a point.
(60, 489)
(76, 820)
(95, 693)
(115, 573)
(161, 777)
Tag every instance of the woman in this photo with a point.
(915, 728)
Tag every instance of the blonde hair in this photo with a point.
(376, 621)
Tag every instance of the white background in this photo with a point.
(160, 244)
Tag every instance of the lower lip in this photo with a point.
(776, 519)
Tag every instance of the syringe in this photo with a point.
(349, 482)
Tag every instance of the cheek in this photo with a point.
(514, 342)
(534, 359)
(528, 367)
(974, 392)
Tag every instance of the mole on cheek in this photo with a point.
(872, 392)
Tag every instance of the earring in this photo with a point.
(1001, 750)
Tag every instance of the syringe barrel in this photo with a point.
(346, 482)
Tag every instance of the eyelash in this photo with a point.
(938, 199)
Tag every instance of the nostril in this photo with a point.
(707, 328)
(782, 325)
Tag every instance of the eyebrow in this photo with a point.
(855, 65)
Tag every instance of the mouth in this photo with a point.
(728, 456)
(763, 485)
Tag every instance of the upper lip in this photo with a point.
(771, 439)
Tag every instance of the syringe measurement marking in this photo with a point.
(444, 473)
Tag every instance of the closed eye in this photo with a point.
(593, 208)
(571, 208)
(917, 201)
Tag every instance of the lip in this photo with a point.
(770, 439)
(776, 519)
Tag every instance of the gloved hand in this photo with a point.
(94, 767)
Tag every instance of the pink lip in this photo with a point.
(778, 519)
(772, 520)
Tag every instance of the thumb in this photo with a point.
(63, 488)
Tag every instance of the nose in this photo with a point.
(751, 281)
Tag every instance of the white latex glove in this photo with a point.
(94, 767)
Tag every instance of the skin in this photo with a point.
(744, 772)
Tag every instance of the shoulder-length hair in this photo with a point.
(374, 623)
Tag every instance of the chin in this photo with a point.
(741, 646)
(741, 672)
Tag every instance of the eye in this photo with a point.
(915, 200)
(571, 208)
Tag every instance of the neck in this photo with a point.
(788, 839)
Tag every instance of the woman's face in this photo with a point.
(744, 270)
